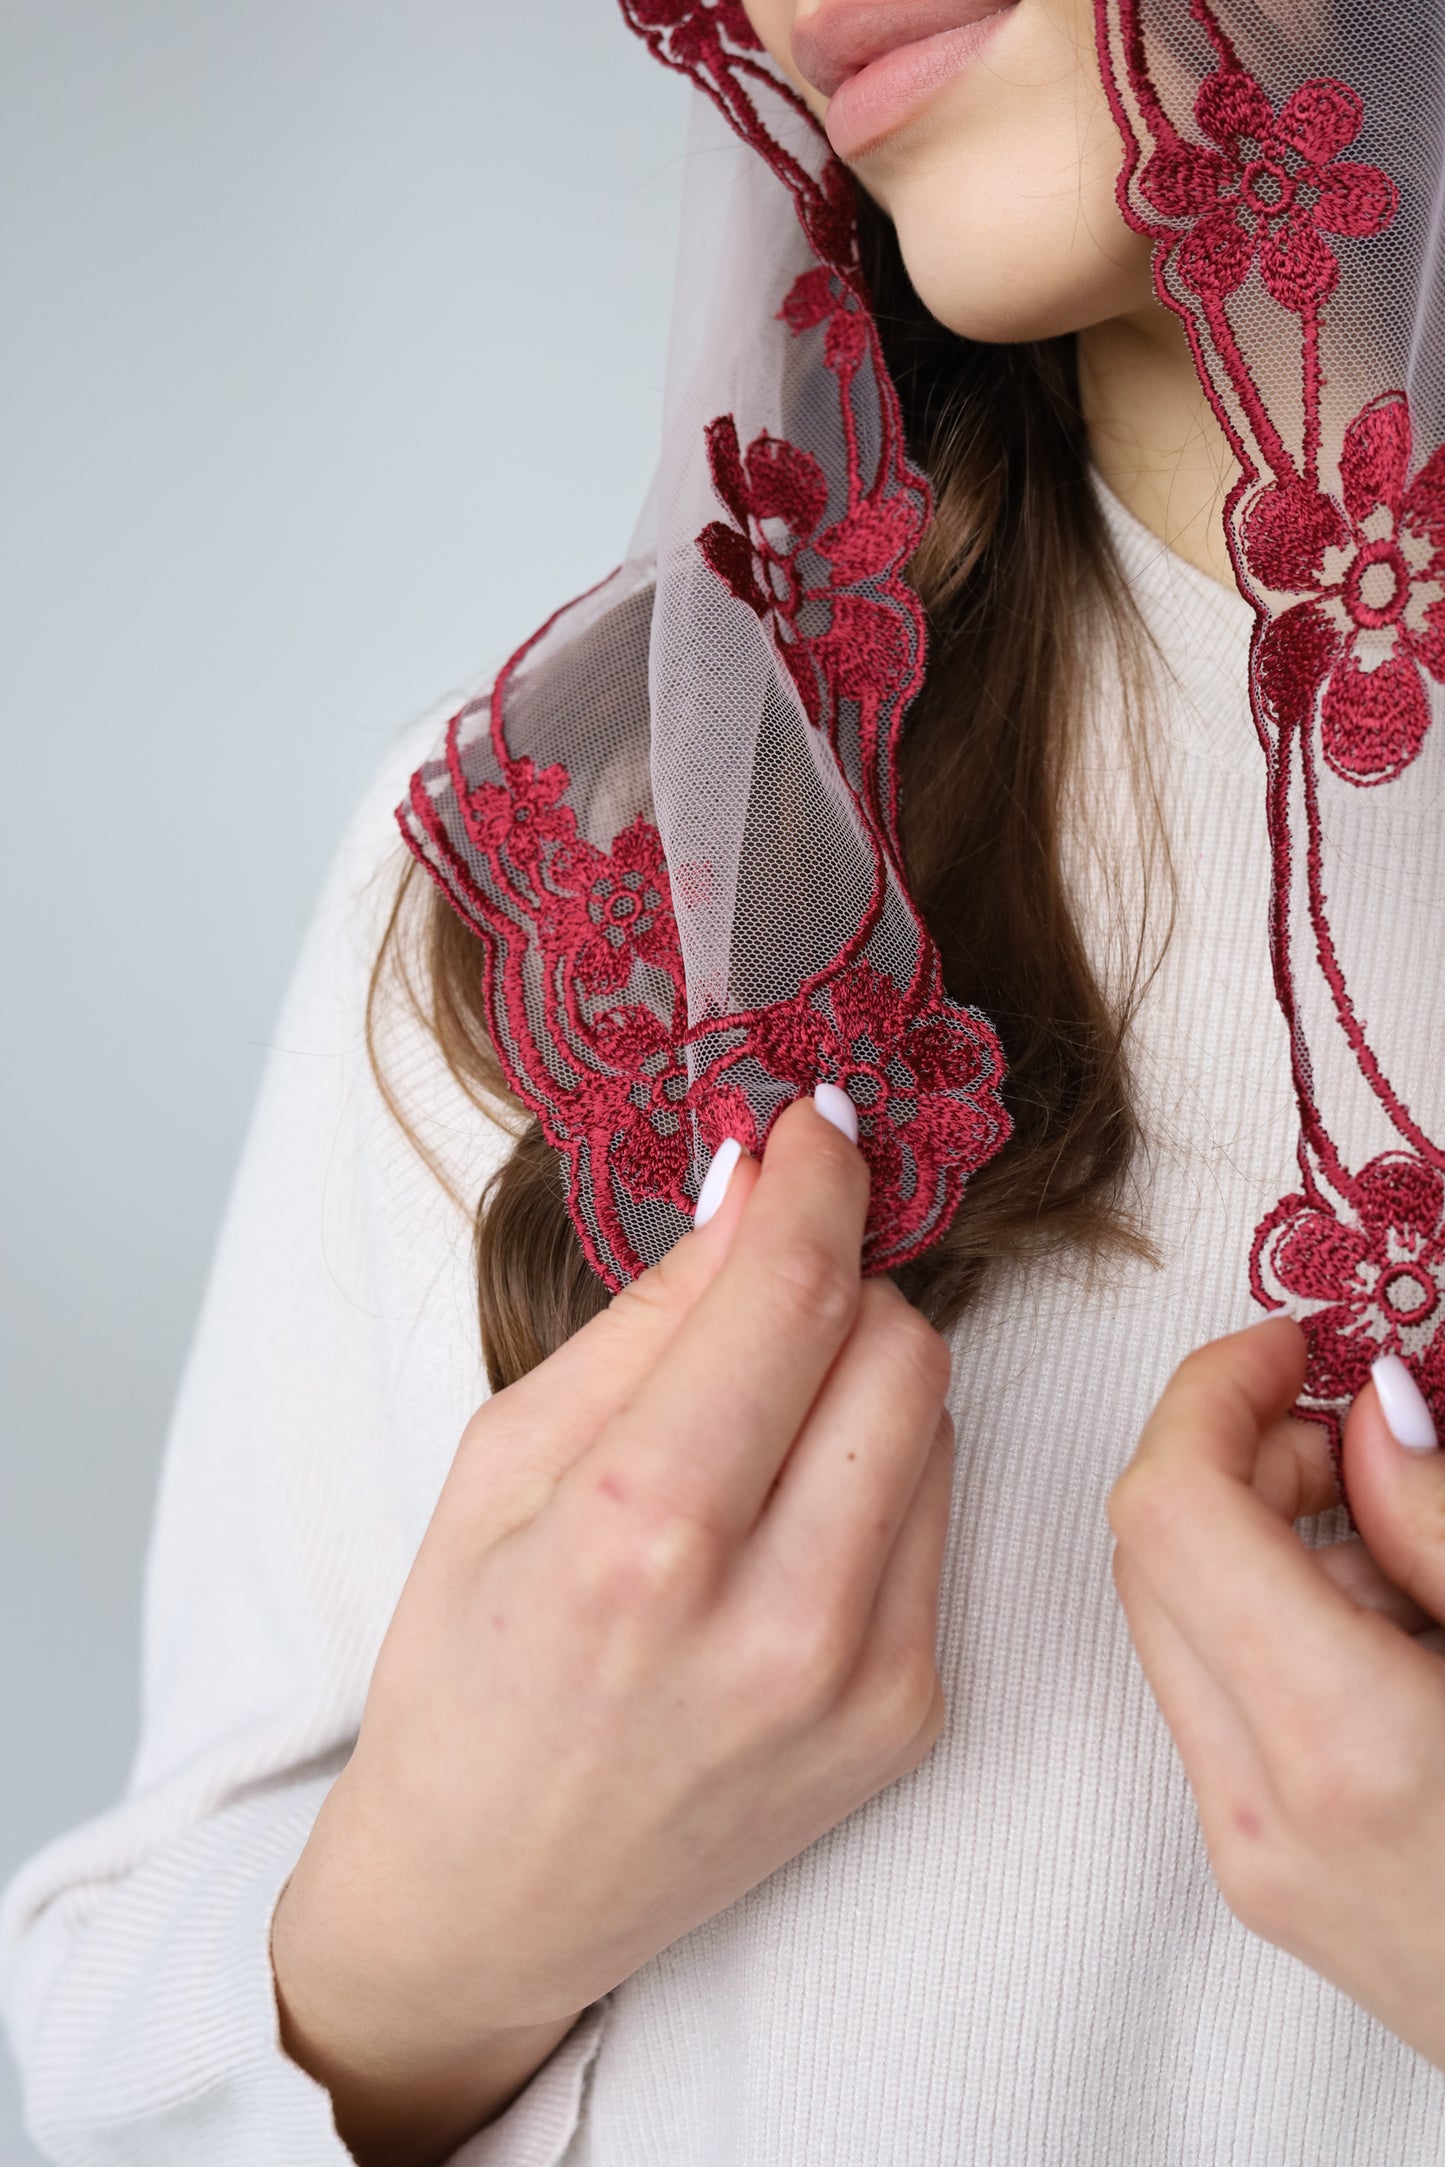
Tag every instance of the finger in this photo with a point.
(657, 1300)
(1234, 1578)
(1226, 1774)
(1295, 1476)
(1225, 1397)
(840, 1499)
(1294, 1472)
(1397, 1497)
(902, 1629)
(1352, 1569)
(708, 1427)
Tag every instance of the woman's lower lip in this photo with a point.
(892, 89)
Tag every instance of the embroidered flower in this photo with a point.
(924, 1079)
(881, 529)
(616, 910)
(646, 1108)
(818, 297)
(777, 496)
(522, 813)
(1375, 566)
(826, 636)
(1380, 1282)
(1268, 185)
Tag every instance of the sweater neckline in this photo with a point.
(1201, 632)
(1161, 567)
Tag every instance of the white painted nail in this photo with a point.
(715, 1180)
(836, 1106)
(1403, 1405)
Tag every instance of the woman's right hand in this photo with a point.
(674, 1616)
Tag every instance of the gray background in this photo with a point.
(332, 351)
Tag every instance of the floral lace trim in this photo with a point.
(1347, 575)
(1346, 572)
(583, 970)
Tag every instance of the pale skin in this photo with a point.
(676, 1611)
(674, 1617)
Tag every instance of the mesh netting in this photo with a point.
(674, 823)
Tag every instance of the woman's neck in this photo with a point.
(1154, 437)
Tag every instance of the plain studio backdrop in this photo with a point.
(332, 358)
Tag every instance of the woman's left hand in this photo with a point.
(1308, 1711)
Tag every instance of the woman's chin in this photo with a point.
(1009, 286)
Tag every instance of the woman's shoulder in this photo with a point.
(358, 1004)
(371, 858)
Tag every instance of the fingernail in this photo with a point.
(1403, 1405)
(836, 1106)
(715, 1180)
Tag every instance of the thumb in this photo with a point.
(1395, 1481)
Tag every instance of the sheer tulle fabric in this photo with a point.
(674, 822)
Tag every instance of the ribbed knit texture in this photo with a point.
(1016, 1956)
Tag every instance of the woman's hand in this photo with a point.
(675, 1616)
(1308, 1710)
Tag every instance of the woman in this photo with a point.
(737, 1748)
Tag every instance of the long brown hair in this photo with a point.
(1019, 582)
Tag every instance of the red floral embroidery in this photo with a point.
(698, 30)
(1384, 605)
(924, 1077)
(836, 644)
(583, 975)
(523, 813)
(777, 495)
(1380, 1282)
(647, 1108)
(1268, 186)
(818, 298)
(772, 484)
(615, 911)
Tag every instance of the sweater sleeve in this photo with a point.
(333, 1368)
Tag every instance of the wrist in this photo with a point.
(403, 2105)
(412, 2066)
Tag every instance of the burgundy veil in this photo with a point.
(673, 822)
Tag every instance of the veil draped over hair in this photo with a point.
(674, 821)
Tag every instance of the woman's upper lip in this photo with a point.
(842, 36)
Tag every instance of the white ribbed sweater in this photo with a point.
(1016, 1956)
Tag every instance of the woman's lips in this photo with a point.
(884, 59)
